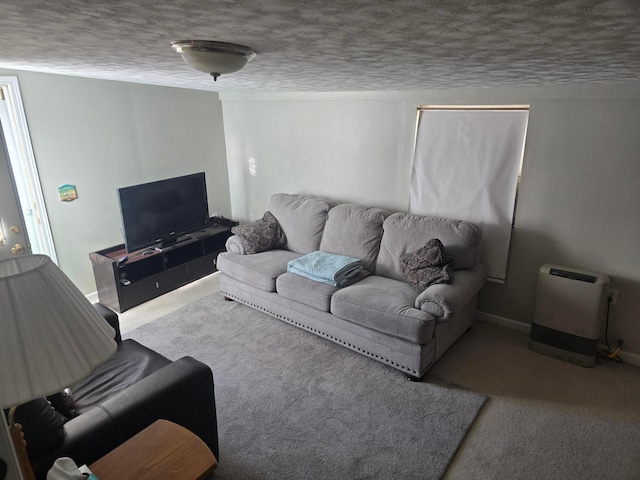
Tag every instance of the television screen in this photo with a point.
(158, 213)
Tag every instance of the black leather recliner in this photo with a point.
(126, 394)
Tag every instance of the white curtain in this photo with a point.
(466, 166)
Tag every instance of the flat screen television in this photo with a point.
(160, 213)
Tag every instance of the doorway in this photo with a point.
(24, 225)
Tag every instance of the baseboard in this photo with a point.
(503, 322)
(627, 357)
(92, 297)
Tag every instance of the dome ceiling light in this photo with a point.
(215, 58)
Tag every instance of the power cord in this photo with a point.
(611, 354)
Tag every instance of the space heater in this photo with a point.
(568, 314)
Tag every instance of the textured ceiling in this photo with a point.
(321, 45)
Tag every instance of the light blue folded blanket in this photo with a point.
(325, 267)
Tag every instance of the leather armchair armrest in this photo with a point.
(87, 438)
(112, 319)
(182, 392)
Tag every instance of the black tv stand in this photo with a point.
(149, 273)
(164, 246)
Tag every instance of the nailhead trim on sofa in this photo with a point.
(325, 335)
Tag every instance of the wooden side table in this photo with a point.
(162, 450)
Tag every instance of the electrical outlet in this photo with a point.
(251, 220)
(613, 295)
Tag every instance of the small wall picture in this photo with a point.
(67, 193)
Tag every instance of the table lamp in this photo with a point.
(50, 337)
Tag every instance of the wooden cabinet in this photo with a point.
(149, 273)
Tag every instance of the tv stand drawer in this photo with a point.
(151, 287)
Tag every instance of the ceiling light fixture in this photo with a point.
(215, 58)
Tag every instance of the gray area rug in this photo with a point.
(295, 406)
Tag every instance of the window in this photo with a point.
(467, 165)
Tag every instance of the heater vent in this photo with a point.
(566, 341)
(573, 275)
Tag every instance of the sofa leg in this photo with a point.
(227, 299)
(413, 378)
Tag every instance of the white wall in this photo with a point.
(342, 149)
(101, 135)
(579, 205)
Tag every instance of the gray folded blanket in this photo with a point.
(427, 266)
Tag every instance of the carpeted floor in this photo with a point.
(544, 418)
(294, 406)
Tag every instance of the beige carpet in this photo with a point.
(545, 418)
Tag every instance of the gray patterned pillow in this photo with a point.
(426, 266)
(261, 235)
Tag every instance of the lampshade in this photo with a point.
(215, 58)
(50, 334)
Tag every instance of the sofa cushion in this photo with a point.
(259, 270)
(309, 292)
(261, 235)
(302, 219)
(354, 231)
(305, 291)
(426, 266)
(384, 305)
(405, 233)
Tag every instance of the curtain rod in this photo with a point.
(473, 107)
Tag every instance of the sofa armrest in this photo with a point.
(443, 300)
(235, 244)
(182, 392)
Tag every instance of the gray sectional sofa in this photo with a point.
(378, 314)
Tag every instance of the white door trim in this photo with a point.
(27, 163)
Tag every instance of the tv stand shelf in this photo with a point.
(149, 273)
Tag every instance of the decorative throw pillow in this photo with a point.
(427, 266)
(42, 426)
(261, 235)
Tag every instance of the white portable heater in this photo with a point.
(568, 315)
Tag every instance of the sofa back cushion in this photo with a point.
(354, 231)
(405, 233)
(302, 219)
